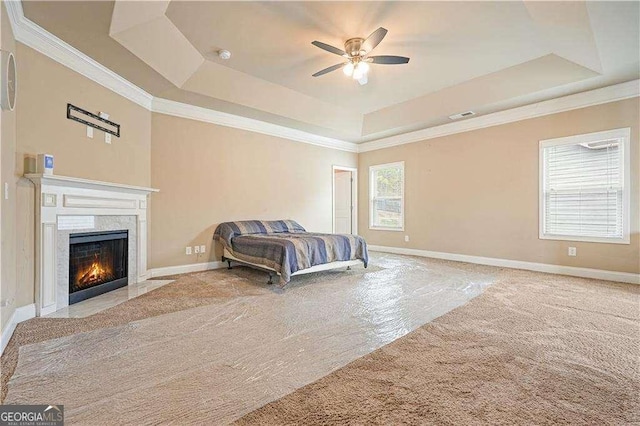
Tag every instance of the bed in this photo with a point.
(286, 249)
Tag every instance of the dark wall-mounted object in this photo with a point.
(71, 108)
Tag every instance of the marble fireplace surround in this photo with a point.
(101, 223)
(61, 202)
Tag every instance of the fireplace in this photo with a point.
(98, 263)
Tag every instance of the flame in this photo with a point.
(97, 272)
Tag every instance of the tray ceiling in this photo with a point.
(481, 56)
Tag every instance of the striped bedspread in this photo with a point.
(286, 247)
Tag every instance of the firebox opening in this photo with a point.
(98, 263)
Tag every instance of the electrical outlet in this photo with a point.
(203, 249)
(188, 250)
(406, 238)
(89, 132)
(572, 251)
(196, 249)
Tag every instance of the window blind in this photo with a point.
(583, 189)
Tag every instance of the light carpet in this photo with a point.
(533, 349)
(216, 362)
(195, 289)
(215, 346)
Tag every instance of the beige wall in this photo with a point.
(476, 193)
(8, 285)
(44, 89)
(209, 174)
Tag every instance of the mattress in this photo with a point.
(287, 247)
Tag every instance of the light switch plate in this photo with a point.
(89, 132)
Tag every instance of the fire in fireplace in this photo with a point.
(97, 263)
(99, 271)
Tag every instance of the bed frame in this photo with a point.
(228, 257)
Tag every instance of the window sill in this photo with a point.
(625, 240)
(380, 228)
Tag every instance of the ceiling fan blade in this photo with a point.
(328, 48)
(328, 70)
(388, 60)
(374, 39)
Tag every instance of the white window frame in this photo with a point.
(373, 169)
(624, 135)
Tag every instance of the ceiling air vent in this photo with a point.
(462, 115)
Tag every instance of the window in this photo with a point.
(386, 196)
(584, 187)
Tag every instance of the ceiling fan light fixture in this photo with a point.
(361, 69)
(356, 51)
(348, 69)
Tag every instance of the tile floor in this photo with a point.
(107, 300)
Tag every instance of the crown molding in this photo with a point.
(178, 109)
(618, 92)
(30, 34)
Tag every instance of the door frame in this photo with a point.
(354, 197)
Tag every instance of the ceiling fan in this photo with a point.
(356, 50)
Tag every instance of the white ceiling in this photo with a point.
(481, 56)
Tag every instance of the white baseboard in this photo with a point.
(22, 313)
(182, 269)
(598, 274)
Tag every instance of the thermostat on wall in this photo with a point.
(44, 164)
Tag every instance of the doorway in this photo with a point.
(345, 205)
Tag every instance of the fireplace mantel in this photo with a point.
(67, 181)
(66, 197)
